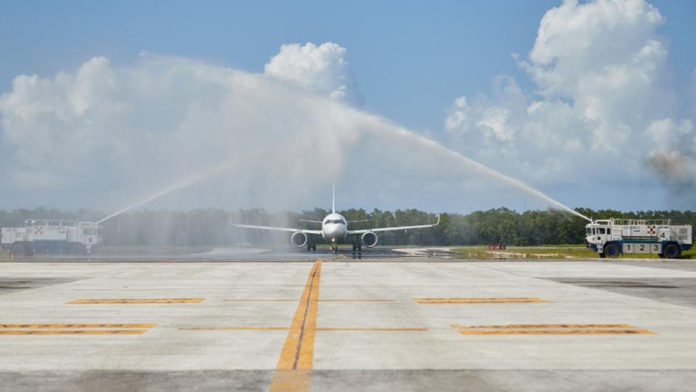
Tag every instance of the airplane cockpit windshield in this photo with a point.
(336, 221)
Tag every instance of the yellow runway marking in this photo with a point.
(510, 300)
(533, 326)
(357, 300)
(136, 301)
(552, 329)
(260, 300)
(73, 332)
(321, 300)
(59, 326)
(76, 329)
(233, 329)
(297, 356)
(368, 329)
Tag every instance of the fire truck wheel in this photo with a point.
(611, 250)
(672, 251)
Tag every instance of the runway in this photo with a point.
(329, 322)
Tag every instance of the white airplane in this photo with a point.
(334, 230)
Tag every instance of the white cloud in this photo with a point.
(322, 69)
(602, 106)
(148, 125)
(105, 136)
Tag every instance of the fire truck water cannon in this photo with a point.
(612, 237)
(51, 236)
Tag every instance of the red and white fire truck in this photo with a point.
(51, 236)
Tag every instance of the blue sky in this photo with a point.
(410, 60)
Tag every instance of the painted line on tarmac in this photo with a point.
(134, 301)
(479, 301)
(74, 325)
(260, 300)
(75, 329)
(328, 329)
(293, 372)
(320, 300)
(552, 329)
(357, 300)
(73, 332)
(371, 329)
(233, 329)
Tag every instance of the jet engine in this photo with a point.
(369, 239)
(299, 239)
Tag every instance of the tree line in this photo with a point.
(213, 227)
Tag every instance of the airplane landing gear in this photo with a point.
(357, 249)
(311, 246)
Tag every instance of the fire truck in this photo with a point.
(612, 237)
(50, 236)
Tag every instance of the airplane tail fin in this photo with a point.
(333, 198)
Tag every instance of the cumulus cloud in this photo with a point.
(600, 100)
(322, 69)
(106, 136)
(165, 118)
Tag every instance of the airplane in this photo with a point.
(334, 230)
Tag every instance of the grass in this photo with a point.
(547, 252)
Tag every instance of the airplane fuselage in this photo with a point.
(334, 228)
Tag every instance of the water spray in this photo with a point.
(420, 141)
(436, 147)
(177, 186)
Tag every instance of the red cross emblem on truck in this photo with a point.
(651, 230)
(38, 230)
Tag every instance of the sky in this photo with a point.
(266, 104)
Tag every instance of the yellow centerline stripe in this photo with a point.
(297, 356)
(135, 301)
(73, 332)
(439, 301)
(74, 325)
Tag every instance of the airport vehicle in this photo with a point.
(334, 230)
(612, 237)
(51, 236)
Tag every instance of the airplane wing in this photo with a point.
(288, 229)
(378, 229)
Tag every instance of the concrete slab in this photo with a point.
(224, 325)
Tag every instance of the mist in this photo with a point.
(171, 132)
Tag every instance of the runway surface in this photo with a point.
(329, 322)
